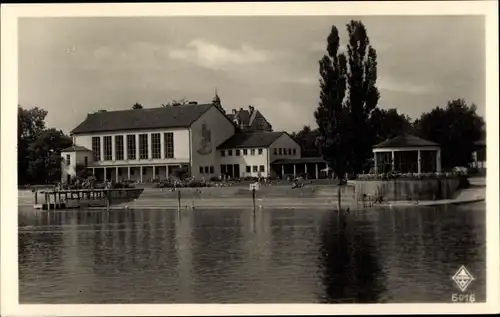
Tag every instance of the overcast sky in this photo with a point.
(73, 66)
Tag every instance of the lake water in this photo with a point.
(236, 256)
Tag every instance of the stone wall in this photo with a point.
(403, 189)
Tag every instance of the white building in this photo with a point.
(198, 140)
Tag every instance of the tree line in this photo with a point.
(349, 121)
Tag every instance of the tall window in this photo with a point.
(254, 168)
(86, 160)
(211, 169)
(245, 152)
(260, 151)
(143, 146)
(96, 147)
(275, 151)
(237, 152)
(223, 153)
(131, 149)
(169, 145)
(280, 151)
(252, 152)
(68, 159)
(156, 145)
(261, 168)
(119, 147)
(248, 168)
(230, 152)
(108, 148)
(294, 151)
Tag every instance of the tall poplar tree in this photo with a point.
(362, 94)
(331, 114)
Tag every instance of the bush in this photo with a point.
(215, 179)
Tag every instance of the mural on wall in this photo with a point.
(205, 147)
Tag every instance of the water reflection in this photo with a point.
(351, 272)
(241, 256)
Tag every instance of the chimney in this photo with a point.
(241, 109)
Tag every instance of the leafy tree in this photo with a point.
(387, 124)
(175, 103)
(306, 138)
(45, 155)
(455, 128)
(363, 95)
(137, 106)
(38, 147)
(332, 116)
(30, 122)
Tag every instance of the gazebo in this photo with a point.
(407, 154)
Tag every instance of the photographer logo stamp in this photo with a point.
(463, 278)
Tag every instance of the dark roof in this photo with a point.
(251, 140)
(300, 160)
(405, 141)
(76, 148)
(139, 119)
(259, 122)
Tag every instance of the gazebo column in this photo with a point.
(438, 161)
(316, 170)
(166, 171)
(419, 163)
(375, 162)
(105, 174)
(282, 170)
(117, 174)
(393, 161)
(154, 172)
(128, 172)
(294, 170)
(305, 169)
(140, 173)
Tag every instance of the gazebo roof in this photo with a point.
(405, 141)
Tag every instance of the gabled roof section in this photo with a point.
(142, 119)
(76, 148)
(259, 122)
(251, 140)
(405, 141)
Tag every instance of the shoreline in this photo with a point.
(155, 199)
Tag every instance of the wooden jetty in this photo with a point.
(78, 198)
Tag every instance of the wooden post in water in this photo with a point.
(253, 198)
(179, 200)
(339, 196)
(107, 198)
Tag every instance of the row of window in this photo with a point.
(239, 152)
(132, 147)
(284, 151)
(68, 160)
(206, 169)
(224, 169)
(255, 168)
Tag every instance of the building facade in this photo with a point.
(198, 140)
